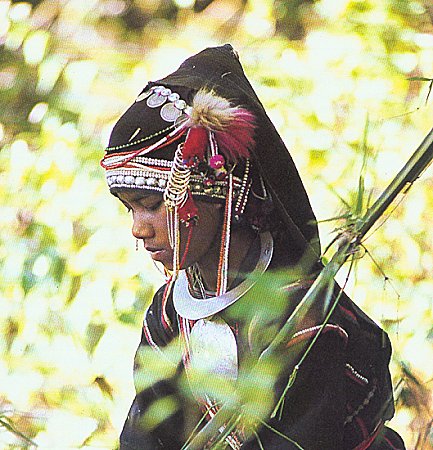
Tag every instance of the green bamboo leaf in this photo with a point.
(359, 196)
(94, 333)
(74, 288)
(429, 91)
(420, 79)
(332, 219)
(104, 386)
(282, 435)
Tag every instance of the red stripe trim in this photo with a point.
(364, 445)
(188, 242)
(164, 317)
(137, 152)
(391, 444)
(307, 334)
(148, 336)
(348, 313)
(362, 427)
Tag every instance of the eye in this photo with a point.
(154, 206)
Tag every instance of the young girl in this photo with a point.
(216, 198)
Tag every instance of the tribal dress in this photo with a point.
(340, 399)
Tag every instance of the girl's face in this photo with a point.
(150, 225)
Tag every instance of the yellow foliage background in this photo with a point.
(72, 289)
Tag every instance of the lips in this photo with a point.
(157, 254)
(153, 249)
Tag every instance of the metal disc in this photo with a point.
(156, 100)
(170, 113)
(213, 357)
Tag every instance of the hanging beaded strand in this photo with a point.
(223, 264)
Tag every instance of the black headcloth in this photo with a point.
(219, 69)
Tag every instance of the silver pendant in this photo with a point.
(213, 357)
(180, 104)
(170, 113)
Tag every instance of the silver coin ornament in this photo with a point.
(158, 96)
(156, 100)
(170, 113)
(173, 97)
(180, 104)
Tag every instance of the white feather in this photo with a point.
(211, 111)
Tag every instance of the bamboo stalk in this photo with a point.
(418, 162)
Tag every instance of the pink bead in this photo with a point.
(217, 161)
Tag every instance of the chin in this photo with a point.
(168, 266)
(166, 259)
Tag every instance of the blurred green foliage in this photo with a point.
(72, 290)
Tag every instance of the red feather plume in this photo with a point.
(196, 144)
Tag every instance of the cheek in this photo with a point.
(160, 226)
(205, 238)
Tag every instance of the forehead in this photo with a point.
(131, 195)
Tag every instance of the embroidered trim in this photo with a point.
(243, 194)
(149, 339)
(139, 141)
(307, 333)
(156, 180)
(143, 160)
(362, 406)
(355, 374)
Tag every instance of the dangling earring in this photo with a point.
(136, 245)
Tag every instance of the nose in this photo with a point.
(141, 227)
